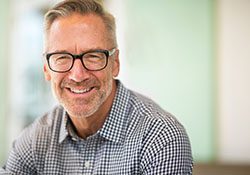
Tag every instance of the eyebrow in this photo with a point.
(65, 51)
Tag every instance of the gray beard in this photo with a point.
(66, 103)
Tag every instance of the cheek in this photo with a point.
(109, 74)
(104, 78)
(55, 84)
(56, 81)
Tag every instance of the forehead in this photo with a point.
(77, 31)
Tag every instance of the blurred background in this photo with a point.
(192, 57)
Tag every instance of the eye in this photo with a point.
(60, 59)
(94, 56)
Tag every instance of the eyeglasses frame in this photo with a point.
(107, 53)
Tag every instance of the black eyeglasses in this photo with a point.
(94, 60)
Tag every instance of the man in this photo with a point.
(100, 127)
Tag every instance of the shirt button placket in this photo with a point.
(89, 154)
(87, 164)
(82, 148)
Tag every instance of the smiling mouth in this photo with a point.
(80, 91)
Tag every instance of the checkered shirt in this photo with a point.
(138, 137)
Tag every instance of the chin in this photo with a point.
(79, 111)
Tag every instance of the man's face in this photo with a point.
(81, 92)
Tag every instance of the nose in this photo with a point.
(78, 73)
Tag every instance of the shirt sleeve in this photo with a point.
(169, 153)
(20, 160)
(4, 172)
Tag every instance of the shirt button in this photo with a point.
(87, 164)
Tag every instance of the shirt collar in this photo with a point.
(114, 125)
(63, 129)
(67, 129)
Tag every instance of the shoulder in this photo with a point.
(29, 149)
(163, 138)
(158, 125)
(150, 111)
(40, 130)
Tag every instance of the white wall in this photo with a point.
(234, 80)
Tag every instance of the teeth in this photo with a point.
(79, 91)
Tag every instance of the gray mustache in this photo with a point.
(85, 83)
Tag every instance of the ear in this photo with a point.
(46, 72)
(116, 64)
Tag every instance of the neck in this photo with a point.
(87, 126)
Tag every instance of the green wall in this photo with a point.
(170, 54)
(3, 74)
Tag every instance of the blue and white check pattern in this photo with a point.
(138, 137)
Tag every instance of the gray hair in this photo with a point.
(83, 7)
